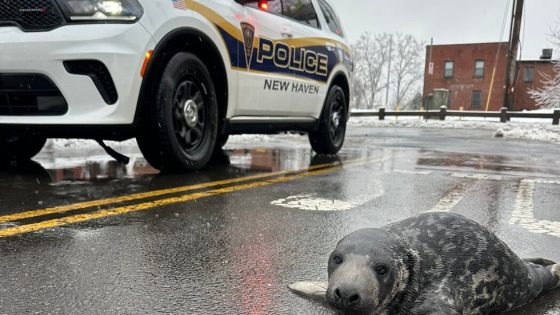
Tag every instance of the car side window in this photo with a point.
(302, 11)
(274, 6)
(331, 18)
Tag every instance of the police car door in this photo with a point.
(310, 57)
(265, 78)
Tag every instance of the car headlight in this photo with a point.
(102, 10)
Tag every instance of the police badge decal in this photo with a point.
(248, 39)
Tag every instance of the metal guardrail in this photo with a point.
(443, 113)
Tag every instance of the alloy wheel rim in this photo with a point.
(190, 114)
(336, 123)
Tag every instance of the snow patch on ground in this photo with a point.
(539, 132)
(70, 144)
(61, 144)
(263, 138)
(526, 130)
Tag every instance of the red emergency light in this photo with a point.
(263, 5)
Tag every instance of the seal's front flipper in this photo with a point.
(555, 270)
(311, 290)
(540, 261)
(549, 283)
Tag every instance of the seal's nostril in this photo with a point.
(337, 293)
(347, 296)
(354, 299)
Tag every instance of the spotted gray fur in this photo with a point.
(440, 263)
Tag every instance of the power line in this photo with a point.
(506, 13)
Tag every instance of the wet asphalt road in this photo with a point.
(231, 246)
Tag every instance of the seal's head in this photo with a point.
(367, 271)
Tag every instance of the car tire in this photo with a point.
(222, 141)
(179, 132)
(329, 137)
(20, 147)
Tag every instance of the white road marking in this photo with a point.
(524, 212)
(413, 172)
(477, 176)
(453, 197)
(310, 202)
(313, 202)
(546, 181)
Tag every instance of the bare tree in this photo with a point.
(549, 95)
(371, 55)
(408, 68)
(358, 92)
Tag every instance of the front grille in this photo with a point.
(30, 95)
(30, 15)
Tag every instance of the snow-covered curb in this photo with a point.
(540, 131)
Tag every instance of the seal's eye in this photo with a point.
(381, 270)
(338, 260)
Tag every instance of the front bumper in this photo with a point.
(120, 47)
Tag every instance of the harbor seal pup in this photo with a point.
(434, 263)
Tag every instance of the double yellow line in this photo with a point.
(254, 181)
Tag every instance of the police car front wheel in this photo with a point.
(181, 134)
(329, 138)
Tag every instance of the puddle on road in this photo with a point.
(98, 168)
(481, 162)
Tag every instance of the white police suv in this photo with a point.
(179, 75)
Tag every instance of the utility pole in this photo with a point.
(389, 71)
(511, 66)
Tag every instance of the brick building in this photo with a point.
(532, 73)
(466, 71)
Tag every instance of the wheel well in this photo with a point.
(197, 43)
(340, 80)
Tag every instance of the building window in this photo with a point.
(448, 69)
(476, 99)
(479, 68)
(529, 75)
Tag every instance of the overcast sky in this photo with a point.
(449, 21)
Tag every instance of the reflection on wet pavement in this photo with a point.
(474, 161)
(103, 169)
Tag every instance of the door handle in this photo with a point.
(286, 32)
(287, 35)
